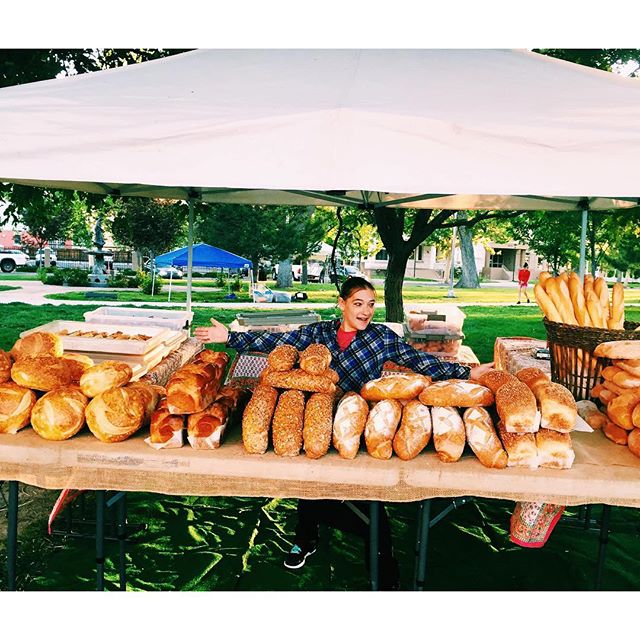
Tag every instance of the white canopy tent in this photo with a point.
(451, 129)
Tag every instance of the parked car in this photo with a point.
(347, 271)
(12, 258)
(172, 273)
(39, 258)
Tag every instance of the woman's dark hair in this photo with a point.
(354, 284)
(525, 265)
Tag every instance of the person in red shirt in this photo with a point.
(523, 281)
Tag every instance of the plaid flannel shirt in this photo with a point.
(362, 360)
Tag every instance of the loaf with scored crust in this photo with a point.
(105, 376)
(381, 427)
(38, 343)
(401, 386)
(115, 415)
(483, 439)
(414, 432)
(456, 393)
(43, 373)
(6, 363)
(348, 424)
(448, 433)
(16, 403)
(59, 414)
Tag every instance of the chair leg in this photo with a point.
(100, 507)
(374, 534)
(423, 544)
(12, 535)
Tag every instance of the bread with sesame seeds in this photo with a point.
(315, 359)
(288, 423)
(256, 419)
(555, 450)
(318, 425)
(557, 407)
(520, 447)
(516, 406)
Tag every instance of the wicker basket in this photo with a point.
(572, 361)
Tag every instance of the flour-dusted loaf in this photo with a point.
(43, 373)
(115, 415)
(77, 364)
(494, 379)
(166, 427)
(381, 427)
(59, 414)
(448, 433)
(256, 419)
(520, 447)
(16, 403)
(288, 422)
(38, 343)
(194, 387)
(348, 424)
(401, 386)
(557, 407)
(555, 450)
(315, 359)
(105, 376)
(590, 413)
(283, 358)
(298, 379)
(483, 439)
(516, 406)
(414, 432)
(456, 393)
(6, 362)
(318, 425)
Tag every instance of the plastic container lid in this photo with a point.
(441, 319)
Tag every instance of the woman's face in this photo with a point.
(357, 309)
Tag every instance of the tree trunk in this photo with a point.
(303, 274)
(284, 274)
(393, 285)
(469, 276)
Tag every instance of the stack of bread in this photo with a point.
(619, 392)
(568, 300)
(293, 403)
(72, 391)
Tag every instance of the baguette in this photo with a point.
(288, 421)
(381, 427)
(282, 358)
(616, 317)
(315, 359)
(516, 406)
(601, 289)
(555, 450)
(318, 425)
(482, 438)
(561, 300)
(546, 304)
(403, 386)
(577, 299)
(543, 277)
(615, 433)
(563, 287)
(414, 432)
(456, 393)
(520, 447)
(448, 433)
(348, 424)
(588, 283)
(257, 418)
(590, 413)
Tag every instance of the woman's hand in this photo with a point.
(216, 333)
(476, 372)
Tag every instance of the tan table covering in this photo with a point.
(602, 473)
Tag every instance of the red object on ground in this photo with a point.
(66, 497)
(523, 277)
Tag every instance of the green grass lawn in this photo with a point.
(4, 287)
(19, 275)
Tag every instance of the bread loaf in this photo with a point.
(115, 415)
(206, 428)
(615, 433)
(633, 442)
(606, 396)
(494, 379)
(456, 393)
(38, 343)
(43, 373)
(533, 377)
(16, 404)
(381, 427)
(520, 447)
(315, 359)
(555, 450)
(616, 317)
(625, 380)
(448, 433)
(545, 303)
(619, 350)
(588, 283)
(166, 427)
(256, 419)
(401, 386)
(578, 301)
(282, 358)
(348, 424)
(414, 432)
(59, 414)
(105, 376)
(613, 387)
(563, 287)
(630, 366)
(216, 358)
(78, 364)
(609, 372)
(596, 390)
(482, 438)
(288, 422)
(620, 409)
(516, 406)
(332, 375)
(194, 387)
(318, 425)
(300, 380)
(590, 413)
(635, 416)
(557, 408)
(5, 366)
(150, 394)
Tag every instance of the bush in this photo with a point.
(236, 284)
(127, 272)
(51, 275)
(124, 281)
(75, 277)
(26, 268)
(146, 284)
(197, 274)
(220, 281)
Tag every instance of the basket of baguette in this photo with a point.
(578, 317)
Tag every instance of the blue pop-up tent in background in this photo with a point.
(204, 255)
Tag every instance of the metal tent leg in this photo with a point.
(604, 540)
(12, 535)
(374, 534)
(121, 499)
(422, 545)
(100, 507)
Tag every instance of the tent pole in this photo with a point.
(190, 254)
(583, 241)
(451, 293)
